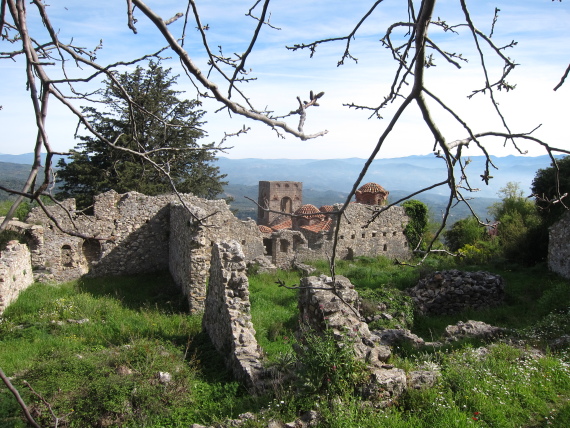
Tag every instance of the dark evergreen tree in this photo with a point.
(545, 186)
(154, 121)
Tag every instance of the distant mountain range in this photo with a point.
(328, 181)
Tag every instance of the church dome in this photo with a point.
(307, 209)
(372, 188)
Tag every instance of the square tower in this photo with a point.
(282, 196)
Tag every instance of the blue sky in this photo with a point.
(543, 52)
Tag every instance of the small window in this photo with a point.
(287, 185)
(341, 237)
(243, 242)
(66, 256)
(284, 246)
(352, 236)
(385, 247)
(364, 235)
(374, 234)
(268, 246)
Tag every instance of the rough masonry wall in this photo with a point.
(385, 236)
(15, 272)
(449, 292)
(191, 243)
(133, 235)
(227, 318)
(559, 246)
(131, 232)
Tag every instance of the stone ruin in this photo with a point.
(15, 272)
(449, 292)
(559, 246)
(227, 315)
(324, 304)
(133, 233)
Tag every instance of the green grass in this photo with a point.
(104, 372)
(274, 312)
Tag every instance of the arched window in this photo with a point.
(286, 205)
(66, 256)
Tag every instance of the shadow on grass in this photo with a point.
(142, 291)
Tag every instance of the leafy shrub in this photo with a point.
(463, 232)
(328, 366)
(419, 218)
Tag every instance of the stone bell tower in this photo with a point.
(282, 196)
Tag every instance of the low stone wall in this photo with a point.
(453, 291)
(227, 317)
(15, 272)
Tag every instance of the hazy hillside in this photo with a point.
(399, 174)
(328, 181)
(12, 175)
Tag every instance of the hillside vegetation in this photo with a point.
(124, 352)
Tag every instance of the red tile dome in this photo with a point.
(307, 209)
(372, 188)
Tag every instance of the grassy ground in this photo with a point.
(107, 371)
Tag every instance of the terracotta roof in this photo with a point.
(326, 209)
(323, 226)
(264, 229)
(287, 224)
(372, 188)
(307, 209)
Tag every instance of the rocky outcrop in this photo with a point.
(472, 329)
(453, 291)
(227, 318)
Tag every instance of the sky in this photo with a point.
(543, 52)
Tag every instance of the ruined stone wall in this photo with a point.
(327, 305)
(227, 318)
(131, 230)
(559, 247)
(385, 236)
(191, 243)
(15, 272)
(133, 234)
(449, 292)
